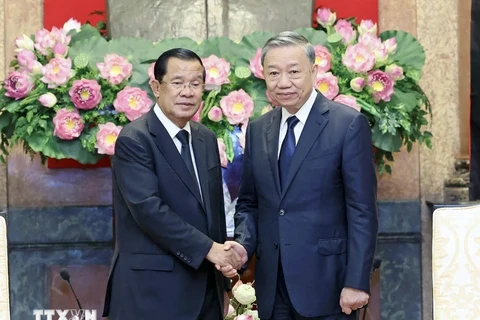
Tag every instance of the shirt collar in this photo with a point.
(171, 127)
(303, 112)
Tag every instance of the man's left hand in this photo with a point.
(352, 299)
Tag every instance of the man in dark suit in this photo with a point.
(307, 203)
(168, 200)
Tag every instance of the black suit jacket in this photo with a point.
(163, 228)
(323, 224)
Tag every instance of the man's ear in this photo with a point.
(314, 72)
(155, 85)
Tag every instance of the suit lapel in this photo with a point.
(167, 147)
(273, 130)
(200, 151)
(316, 122)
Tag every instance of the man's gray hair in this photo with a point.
(288, 39)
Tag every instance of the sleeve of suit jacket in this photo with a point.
(221, 218)
(134, 172)
(360, 183)
(246, 211)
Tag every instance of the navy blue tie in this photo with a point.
(182, 135)
(287, 150)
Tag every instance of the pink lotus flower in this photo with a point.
(151, 73)
(34, 67)
(24, 57)
(347, 100)
(371, 41)
(345, 29)
(134, 102)
(68, 124)
(57, 72)
(18, 85)
(106, 137)
(357, 84)
(196, 116)
(44, 41)
(256, 65)
(266, 109)
(60, 50)
(325, 17)
(381, 84)
(48, 100)
(237, 106)
(327, 84)
(85, 94)
(359, 58)
(60, 36)
(323, 58)
(223, 154)
(390, 45)
(24, 43)
(215, 114)
(217, 70)
(396, 72)
(381, 55)
(115, 68)
(367, 26)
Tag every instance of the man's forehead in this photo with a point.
(290, 56)
(184, 67)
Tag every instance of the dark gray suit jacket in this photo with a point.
(163, 228)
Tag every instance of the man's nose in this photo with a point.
(284, 80)
(187, 90)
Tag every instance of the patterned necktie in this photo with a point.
(288, 148)
(182, 135)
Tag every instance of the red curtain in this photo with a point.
(362, 9)
(57, 12)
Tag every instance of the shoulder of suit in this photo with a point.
(202, 128)
(266, 118)
(342, 111)
(135, 129)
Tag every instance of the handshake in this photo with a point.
(228, 257)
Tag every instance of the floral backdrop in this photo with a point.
(70, 91)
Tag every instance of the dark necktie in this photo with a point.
(287, 150)
(182, 135)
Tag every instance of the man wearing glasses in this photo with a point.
(168, 202)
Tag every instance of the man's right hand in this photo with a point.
(224, 258)
(231, 271)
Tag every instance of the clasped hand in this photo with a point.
(228, 257)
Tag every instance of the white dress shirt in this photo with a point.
(302, 115)
(172, 130)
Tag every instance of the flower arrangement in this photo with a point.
(71, 91)
(378, 75)
(63, 101)
(242, 302)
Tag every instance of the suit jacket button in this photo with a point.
(181, 256)
(282, 212)
(178, 253)
(275, 245)
(185, 258)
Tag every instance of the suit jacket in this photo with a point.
(323, 224)
(163, 228)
